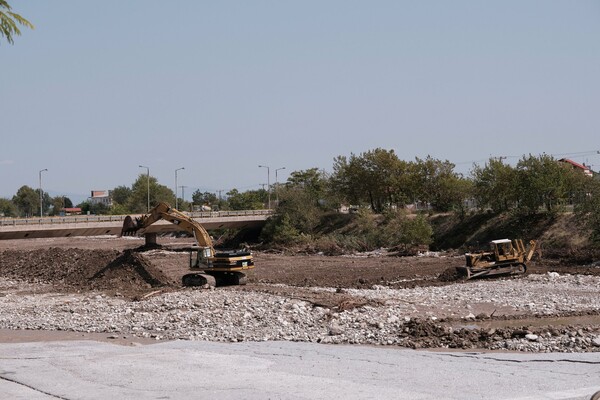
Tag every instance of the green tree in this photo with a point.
(376, 177)
(249, 200)
(587, 209)
(93, 208)
(58, 203)
(543, 182)
(436, 183)
(204, 198)
(302, 208)
(27, 201)
(121, 194)
(8, 208)
(312, 180)
(138, 200)
(10, 21)
(399, 229)
(118, 209)
(495, 185)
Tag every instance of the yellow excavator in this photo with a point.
(506, 257)
(207, 266)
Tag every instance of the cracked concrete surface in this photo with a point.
(286, 370)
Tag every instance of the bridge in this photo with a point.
(96, 225)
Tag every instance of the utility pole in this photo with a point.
(277, 185)
(268, 182)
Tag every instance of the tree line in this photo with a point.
(383, 189)
(375, 180)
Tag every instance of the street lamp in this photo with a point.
(277, 185)
(148, 182)
(178, 169)
(268, 182)
(41, 193)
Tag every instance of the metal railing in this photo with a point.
(77, 219)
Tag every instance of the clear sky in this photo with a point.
(219, 87)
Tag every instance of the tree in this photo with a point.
(438, 184)
(138, 200)
(400, 229)
(542, 182)
(7, 208)
(58, 203)
(249, 200)
(495, 185)
(375, 177)
(588, 209)
(10, 21)
(121, 194)
(201, 198)
(93, 208)
(27, 201)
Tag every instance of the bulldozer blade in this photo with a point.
(513, 269)
(463, 272)
(129, 227)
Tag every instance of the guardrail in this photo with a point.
(78, 219)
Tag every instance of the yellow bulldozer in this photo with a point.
(506, 257)
(207, 266)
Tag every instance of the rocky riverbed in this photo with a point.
(541, 313)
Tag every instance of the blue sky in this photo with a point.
(220, 87)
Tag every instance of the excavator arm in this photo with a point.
(164, 211)
(224, 267)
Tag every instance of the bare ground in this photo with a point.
(122, 267)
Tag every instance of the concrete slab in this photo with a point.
(286, 370)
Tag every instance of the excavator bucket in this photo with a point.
(130, 227)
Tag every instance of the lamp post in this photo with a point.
(178, 169)
(42, 193)
(268, 182)
(148, 183)
(277, 185)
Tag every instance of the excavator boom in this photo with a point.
(221, 266)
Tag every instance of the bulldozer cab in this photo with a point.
(502, 249)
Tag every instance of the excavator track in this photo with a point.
(198, 279)
(214, 279)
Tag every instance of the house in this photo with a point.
(101, 197)
(582, 167)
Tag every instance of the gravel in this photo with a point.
(444, 317)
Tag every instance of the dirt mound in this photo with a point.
(107, 270)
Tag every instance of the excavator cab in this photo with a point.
(199, 257)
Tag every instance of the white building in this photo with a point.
(101, 197)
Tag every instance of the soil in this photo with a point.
(123, 267)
